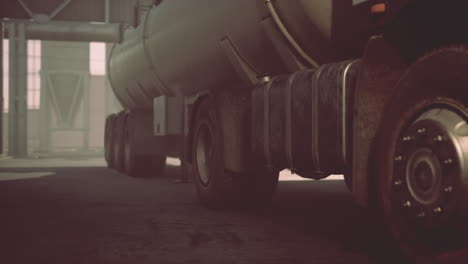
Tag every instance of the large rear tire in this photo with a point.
(422, 159)
(118, 142)
(108, 140)
(217, 188)
(135, 165)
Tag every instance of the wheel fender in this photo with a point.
(382, 67)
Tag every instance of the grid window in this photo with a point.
(97, 58)
(34, 78)
(5, 75)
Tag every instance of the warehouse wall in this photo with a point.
(86, 130)
(45, 133)
(59, 61)
(33, 130)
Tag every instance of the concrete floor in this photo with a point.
(78, 211)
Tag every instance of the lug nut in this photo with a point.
(422, 131)
(438, 138)
(438, 210)
(422, 214)
(448, 189)
(398, 158)
(398, 183)
(407, 204)
(448, 161)
(407, 138)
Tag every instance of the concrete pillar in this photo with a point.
(86, 109)
(17, 117)
(22, 103)
(12, 90)
(44, 115)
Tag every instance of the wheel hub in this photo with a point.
(431, 167)
(127, 155)
(423, 175)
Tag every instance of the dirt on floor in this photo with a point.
(96, 215)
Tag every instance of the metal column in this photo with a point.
(12, 89)
(17, 117)
(107, 11)
(44, 115)
(86, 79)
(22, 106)
(1, 87)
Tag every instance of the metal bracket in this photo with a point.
(44, 17)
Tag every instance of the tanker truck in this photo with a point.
(242, 89)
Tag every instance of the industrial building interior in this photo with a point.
(60, 203)
(67, 93)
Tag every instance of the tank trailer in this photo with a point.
(242, 89)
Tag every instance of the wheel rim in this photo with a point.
(107, 141)
(431, 168)
(127, 155)
(204, 152)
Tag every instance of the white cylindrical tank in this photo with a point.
(177, 49)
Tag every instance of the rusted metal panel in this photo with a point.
(382, 67)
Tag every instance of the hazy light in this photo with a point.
(5, 74)
(97, 58)
(52, 163)
(10, 176)
(287, 175)
(34, 77)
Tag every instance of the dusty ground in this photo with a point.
(58, 214)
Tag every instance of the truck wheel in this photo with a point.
(216, 189)
(140, 165)
(118, 142)
(422, 158)
(108, 140)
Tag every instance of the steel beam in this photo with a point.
(71, 31)
(44, 115)
(59, 8)
(26, 8)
